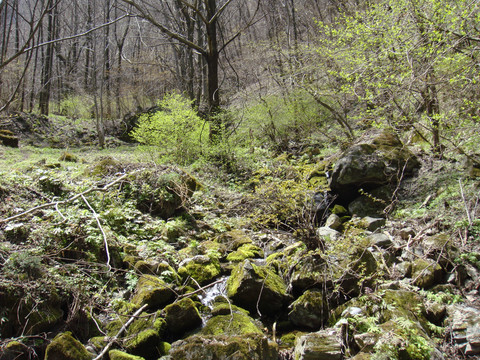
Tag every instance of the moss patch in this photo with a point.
(246, 251)
(233, 324)
(65, 347)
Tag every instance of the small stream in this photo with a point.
(208, 296)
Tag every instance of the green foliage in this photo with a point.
(277, 121)
(176, 132)
(284, 193)
(76, 107)
(24, 263)
(399, 63)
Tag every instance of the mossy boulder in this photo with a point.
(65, 347)
(236, 323)
(375, 160)
(202, 268)
(15, 350)
(321, 345)
(309, 311)
(246, 251)
(153, 291)
(307, 271)
(390, 323)
(120, 355)
(257, 287)
(144, 344)
(144, 335)
(157, 191)
(181, 317)
(246, 347)
(234, 239)
(426, 273)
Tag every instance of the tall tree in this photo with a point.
(209, 12)
(47, 59)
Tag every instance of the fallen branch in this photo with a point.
(120, 332)
(201, 289)
(73, 198)
(105, 241)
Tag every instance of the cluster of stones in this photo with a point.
(357, 298)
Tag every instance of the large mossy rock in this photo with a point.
(426, 273)
(246, 347)
(65, 347)
(236, 323)
(322, 345)
(202, 268)
(233, 239)
(376, 160)
(15, 350)
(144, 336)
(392, 324)
(181, 317)
(120, 355)
(153, 291)
(257, 288)
(309, 311)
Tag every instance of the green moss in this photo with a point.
(251, 346)
(225, 308)
(16, 350)
(69, 157)
(181, 317)
(339, 210)
(153, 291)
(247, 251)
(425, 273)
(234, 239)
(144, 343)
(99, 342)
(65, 347)
(163, 347)
(233, 324)
(201, 268)
(120, 355)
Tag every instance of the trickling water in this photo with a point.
(209, 294)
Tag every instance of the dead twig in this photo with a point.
(120, 332)
(105, 241)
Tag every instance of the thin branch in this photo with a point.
(120, 332)
(145, 15)
(201, 289)
(469, 217)
(105, 241)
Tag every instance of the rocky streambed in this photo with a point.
(162, 279)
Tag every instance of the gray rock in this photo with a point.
(309, 311)
(374, 161)
(328, 233)
(333, 222)
(371, 223)
(257, 288)
(383, 241)
(465, 329)
(246, 347)
(321, 345)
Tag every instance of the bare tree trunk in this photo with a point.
(47, 61)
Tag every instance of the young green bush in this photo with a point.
(77, 107)
(176, 132)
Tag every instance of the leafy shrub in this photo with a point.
(176, 132)
(77, 107)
